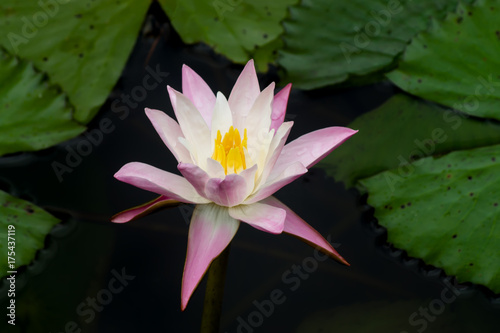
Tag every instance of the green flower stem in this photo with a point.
(212, 306)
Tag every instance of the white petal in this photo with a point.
(222, 118)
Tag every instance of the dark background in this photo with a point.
(379, 292)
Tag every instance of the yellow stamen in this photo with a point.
(229, 151)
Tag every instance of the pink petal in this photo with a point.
(198, 91)
(231, 190)
(310, 148)
(280, 102)
(195, 175)
(159, 181)
(192, 124)
(144, 209)
(245, 91)
(260, 216)
(288, 175)
(169, 132)
(210, 232)
(296, 226)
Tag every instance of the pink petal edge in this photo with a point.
(260, 216)
(296, 226)
(159, 181)
(146, 208)
(210, 231)
(310, 148)
(288, 175)
(244, 93)
(169, 132)
(198, 91)
(231, 190)
(280, 102)
(195, 175)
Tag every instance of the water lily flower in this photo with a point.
(232, 157)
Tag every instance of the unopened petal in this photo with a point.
(260, 216)
(297, 227)
(210, 231)
(159, 181)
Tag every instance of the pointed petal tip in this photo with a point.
(117, 174)
(184, 303)
(334, 254)
(341, 260)
(285, 91)
(186, 70)
(117, 218)
(150, 112)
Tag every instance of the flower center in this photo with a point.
(229, 151)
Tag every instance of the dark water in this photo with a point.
(274, 283)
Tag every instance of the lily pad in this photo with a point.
(34, 114)
(81, 45)
(445, 210)
(28, 225)
(455, 63)
(328, 42)
(400, 131)
(238, 29)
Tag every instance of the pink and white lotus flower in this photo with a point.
(232, 157)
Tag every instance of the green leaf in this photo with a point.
(446, 211)
(400, 131)
(81, 45)
(328, 42)
(31, 225)
(34, 115)
(456, 62)
(238, 29)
